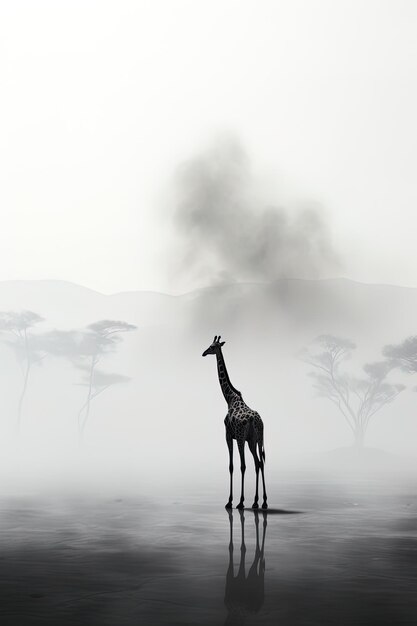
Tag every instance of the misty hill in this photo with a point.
(303, 307)
(67, 304)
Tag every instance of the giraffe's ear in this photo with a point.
(222, 343)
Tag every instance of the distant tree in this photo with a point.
(99, 339)
(96, 384)
(17, 326)
(357, 398)
(403, 355)
(85, 349)
(61, 343)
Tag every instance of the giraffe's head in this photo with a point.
(215, 346)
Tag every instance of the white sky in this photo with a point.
(101, 100)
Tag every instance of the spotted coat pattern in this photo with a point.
(242, 424)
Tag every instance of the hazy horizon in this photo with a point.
(220, 285)
(163, 375)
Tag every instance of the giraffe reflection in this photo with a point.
(244, 595)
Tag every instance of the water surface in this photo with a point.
(331, 553)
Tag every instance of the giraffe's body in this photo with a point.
(242, 424)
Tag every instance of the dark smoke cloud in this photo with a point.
(228, 233)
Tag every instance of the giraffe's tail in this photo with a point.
(262, 450)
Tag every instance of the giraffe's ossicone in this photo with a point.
(242, 424)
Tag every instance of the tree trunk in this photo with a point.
(22, 396)
(359, 436)
(25, 384)
(82, 422)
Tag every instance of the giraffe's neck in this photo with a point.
(227, 388)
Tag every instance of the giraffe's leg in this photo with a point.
(252, 447)
(229, 441)
(261, 463)
(241, 446)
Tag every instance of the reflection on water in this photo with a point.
(245, 594)
(350, 558)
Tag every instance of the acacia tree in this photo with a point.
(98, 339)
(358, 398)
(403, 355)
(85, 349)
(96, 385)
(25, 345)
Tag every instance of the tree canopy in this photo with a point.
(358, 397)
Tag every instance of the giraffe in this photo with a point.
(242, 424)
